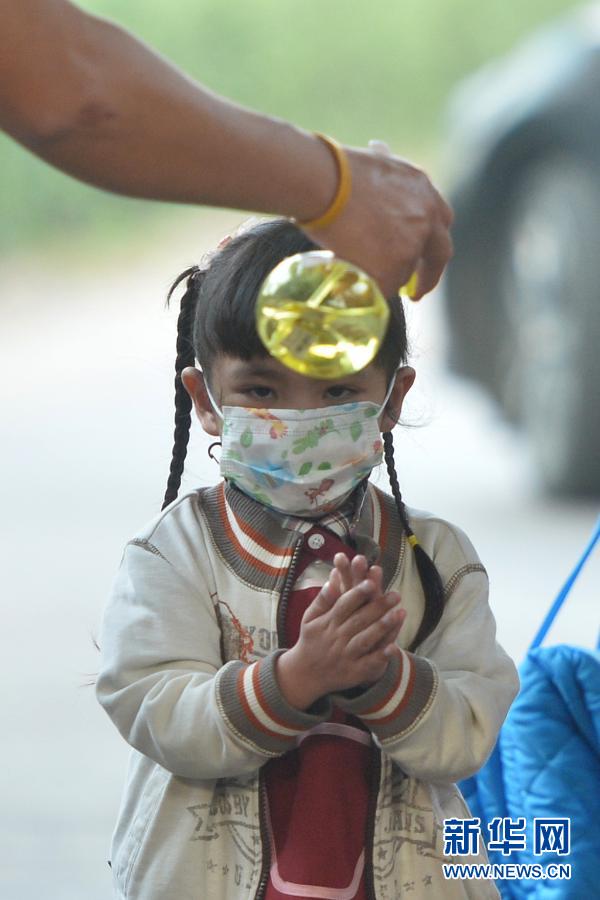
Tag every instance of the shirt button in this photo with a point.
(316, 541)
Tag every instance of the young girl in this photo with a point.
(303, 665)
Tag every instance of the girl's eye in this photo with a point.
(259, 391)
(340, 392)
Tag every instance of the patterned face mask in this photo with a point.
(302, 462)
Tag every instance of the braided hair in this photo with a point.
(429, 576)
(217, 317)
(185, 357)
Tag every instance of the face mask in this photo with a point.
(303, 462)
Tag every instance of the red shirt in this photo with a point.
(318, 793)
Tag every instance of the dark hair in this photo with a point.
(217, 317)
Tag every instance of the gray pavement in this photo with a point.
(86, 383)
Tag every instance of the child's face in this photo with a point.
(266, 383)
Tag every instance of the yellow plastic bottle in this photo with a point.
(320, 315)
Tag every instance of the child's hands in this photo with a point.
(347, 635)
(346, 575)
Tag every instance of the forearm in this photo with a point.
(107, 109)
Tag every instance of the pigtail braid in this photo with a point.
(185, 357)
(428, 574)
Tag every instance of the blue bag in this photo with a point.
(546, 763)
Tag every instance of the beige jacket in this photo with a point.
(189, 639)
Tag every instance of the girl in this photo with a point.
(303, 665)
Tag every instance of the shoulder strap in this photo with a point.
(565, 590)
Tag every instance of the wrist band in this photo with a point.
(343, 189)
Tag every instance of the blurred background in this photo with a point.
(87, 353)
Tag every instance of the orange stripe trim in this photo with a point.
(405, 699)
(390, 693)
(244, 553)
(261, 540)
(256, 536)
(265, 706)
(248, 711)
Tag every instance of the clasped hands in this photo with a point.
(347, 635)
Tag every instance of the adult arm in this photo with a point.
(92, 100)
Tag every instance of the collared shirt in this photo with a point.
(341, 522)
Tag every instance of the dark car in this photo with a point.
(523, 289)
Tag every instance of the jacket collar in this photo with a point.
(258, 544)
(341, 521)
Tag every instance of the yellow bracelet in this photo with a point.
(343, 190)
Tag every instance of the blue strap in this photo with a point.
(566, 589)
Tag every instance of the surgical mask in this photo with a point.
(302, 462)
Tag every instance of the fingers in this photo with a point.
(446, 212)
(390, 636)
(359, 569)
(379, 631)
(350, 634)
(347, 577)
(353, 595)
(324, 601)
(436, 254)
(374, 663)
(347, 605)
(376, 660)
(349, 573)
(436, 247)
(341, 571)
(375, 574)
(395, 222)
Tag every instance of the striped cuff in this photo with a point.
(395, 704)
(249, 699)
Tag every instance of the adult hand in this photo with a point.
(395, 222)
(92, 100)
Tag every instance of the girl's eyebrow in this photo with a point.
(249, 370)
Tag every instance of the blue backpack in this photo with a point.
(546, 764)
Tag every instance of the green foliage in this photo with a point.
(350, 68)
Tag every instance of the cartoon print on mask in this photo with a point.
(312, 437)
(278, 428)
(314, 493)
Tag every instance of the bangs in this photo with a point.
(225, 309)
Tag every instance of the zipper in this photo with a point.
(286, 591)
(264, 839)
(262, 791)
